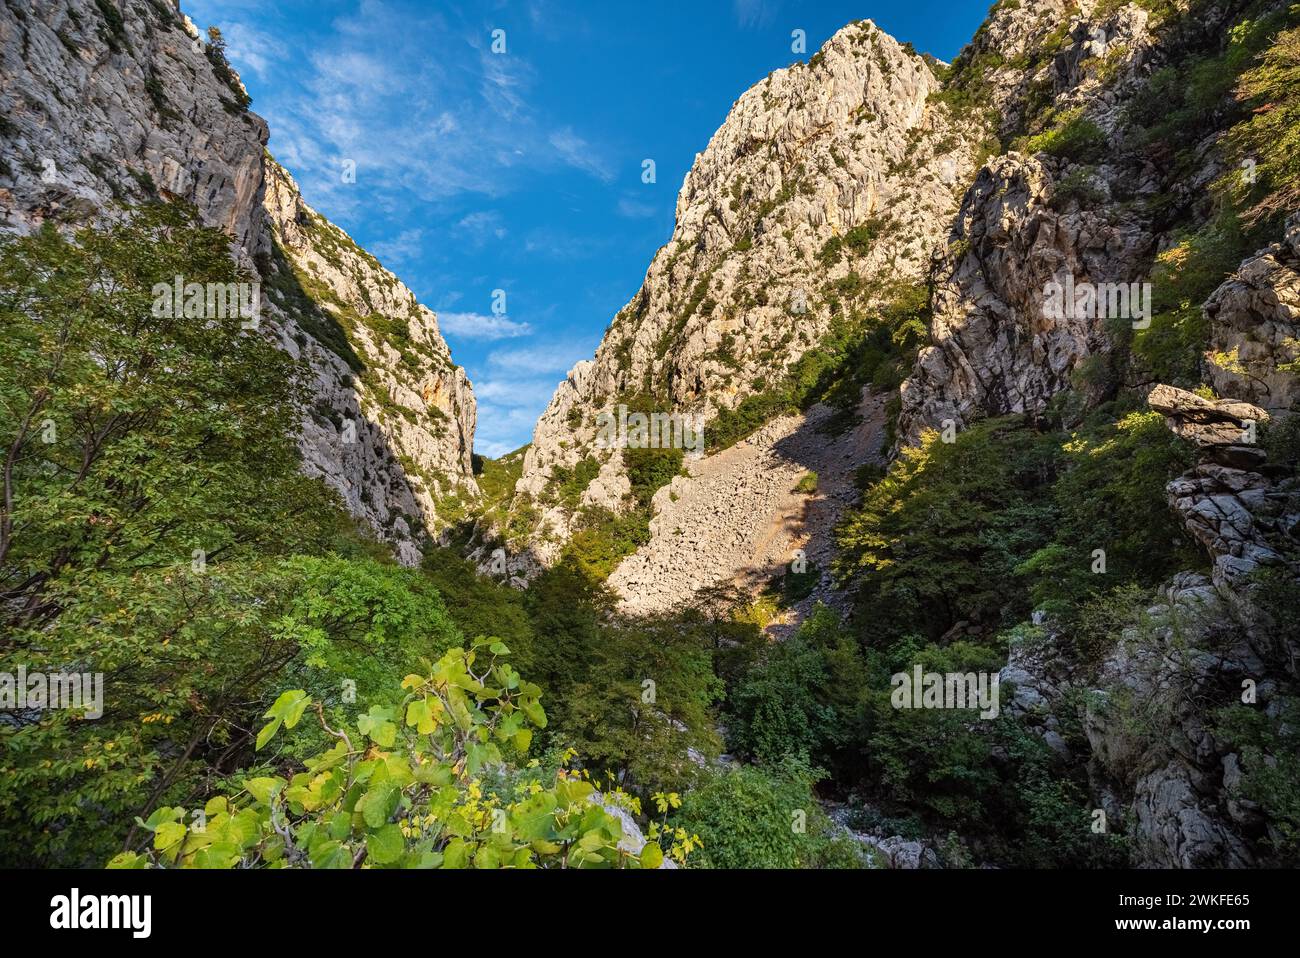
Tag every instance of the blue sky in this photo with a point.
(520, 171)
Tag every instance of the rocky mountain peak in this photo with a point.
(828, 183)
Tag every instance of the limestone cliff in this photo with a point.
(1078, 201)
(108, 103)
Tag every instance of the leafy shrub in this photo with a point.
(570, 484)
(804, 698)
(408, 787)
(216, 51)
(751, 817)
(937, 539)
(1110, 495)
(1271, 135)
(1185, 275)
(1072, 137)
(936, 761)
(794, 587)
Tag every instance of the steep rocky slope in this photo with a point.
(110, 102)
(739, 517)
(828, 183)
(391, 423)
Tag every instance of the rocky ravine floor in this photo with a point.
(737, 520)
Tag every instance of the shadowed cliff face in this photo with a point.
(104, 111)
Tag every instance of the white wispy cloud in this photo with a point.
(419, 127)
(508, 408)
(505, 80)
(479, 326)
(555, 357)
(500, 430)
(755, 13)
(574, 151)
(402, 248)
(514, 392)
(559, 244)
(481, 226)
(636, 209)
(253, 50)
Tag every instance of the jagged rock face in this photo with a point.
(998, 344)
(1255, 328)
(100, 110)
(392, 420)
(96, 114)
(1156, 765)
(743, 289)
(1234, 513)
(1159, 677)
(1029, 221)
(1230, 501)
(1055, 46)
(1153, 747)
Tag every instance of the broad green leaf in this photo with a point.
(167, 838)
(379, 803)
(267, 733)
(263, 788)
(455, 855)
(420, 715)
(385, 844)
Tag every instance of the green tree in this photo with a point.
(1110, 495)
(937, 539)
(151, 503)
(805, 698)
(763, 817)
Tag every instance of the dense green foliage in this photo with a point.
(418, 785)
(151, 507)
(1072, 136)
(156, 529)
(941, 537)
(804, 699)
(1271, 132)
(767, 817)
(631, 696)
